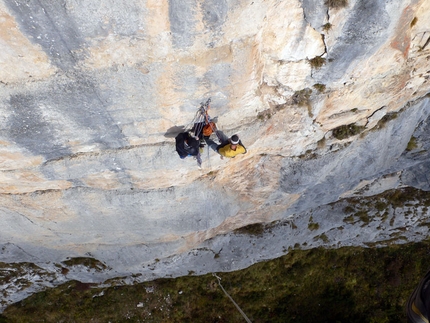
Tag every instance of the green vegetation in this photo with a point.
(255, 229)
(264, 115)
(313, 225)
(319, 87)
(302, 97)
(86, 262)
(317, 62)
(19, 274)
(376, 208)
(308, 155)
(346, 131)
(414, 21)
(336, 3)
(363, 216)
(398, 198)
(317, 285)
(349, 219)
(322, 237)
(321, 143)
(386, 118)
(326, 27)
(412, 144)
(381, 206)
(11, 272)
(348, 209)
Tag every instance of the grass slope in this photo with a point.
(318, 285)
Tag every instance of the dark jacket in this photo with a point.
(186, 145)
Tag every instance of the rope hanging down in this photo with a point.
(237, 306)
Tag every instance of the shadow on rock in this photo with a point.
(174, 131)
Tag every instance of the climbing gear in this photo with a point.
(208, 129)
(199, 121)
(199, 129)
(202, 124)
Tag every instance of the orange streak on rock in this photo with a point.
(402, 41)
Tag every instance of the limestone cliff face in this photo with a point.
(326, 99)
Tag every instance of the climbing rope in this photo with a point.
(237, 306)
(209, 159)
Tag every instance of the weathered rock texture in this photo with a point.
(91, 94)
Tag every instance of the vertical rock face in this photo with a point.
(332, 103)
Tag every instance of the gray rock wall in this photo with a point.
(92, 96)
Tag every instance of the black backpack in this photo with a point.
(186, 145)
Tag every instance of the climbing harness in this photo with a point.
(237, 306)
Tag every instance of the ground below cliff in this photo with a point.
(318, 285)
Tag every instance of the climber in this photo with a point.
(187, 144)
(192, 141)
(229, 147)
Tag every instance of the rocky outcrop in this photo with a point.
(331, 102)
